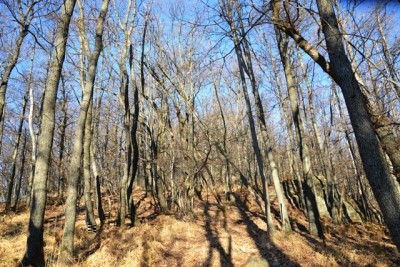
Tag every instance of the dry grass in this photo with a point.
(217, 237)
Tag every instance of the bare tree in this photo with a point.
(23, 13)
(34, 254)
(67, 244)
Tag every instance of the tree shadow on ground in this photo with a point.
(340, 256)
(91, 245)
(268, 250)
(15, 230)
(213, 238)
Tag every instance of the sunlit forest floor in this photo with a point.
(214, 236)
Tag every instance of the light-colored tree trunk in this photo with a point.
(315, 226)
(332, 199)
(67, 243)
(11, 182)
(286, 117)
(93, 163)
(261, 119)
(90, 220)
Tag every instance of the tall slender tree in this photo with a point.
(34, 254)
(67, 244)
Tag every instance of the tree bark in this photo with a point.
(90, 220)
(61, 172)
(67, 243)
(21, 175)
(34, 254)
(372, 156)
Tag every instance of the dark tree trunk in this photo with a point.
(34, 254)
(21, 175)
(375, 166)
(16, 149)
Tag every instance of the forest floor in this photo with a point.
(216, 236)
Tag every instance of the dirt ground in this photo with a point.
(215, 236)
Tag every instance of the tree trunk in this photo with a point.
(61, 173)
(93, 152)
(332, 199)
(33, 136)
(227, 7)
(17, 141)
(315, 226)
(67, 243)
(124, 95)
(262, 123)
(34, 254)
(21, 175)
(372, 156)
(90, 221)
(285, 115)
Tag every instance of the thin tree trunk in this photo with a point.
(135, 120)
(90, 220)
(228, 13)
(67, 243)
(124, 94)
(21, 175)
(61, 173)
(293, 157)
(93, 152)
(315, 225)
(332, 200)
(33, 136)
(17, 141)
(25, 21)
(228, 183)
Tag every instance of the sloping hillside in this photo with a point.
(215, 236)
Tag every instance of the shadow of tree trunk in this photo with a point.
(213, 238)
(262, 239)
